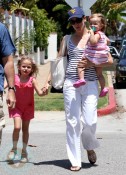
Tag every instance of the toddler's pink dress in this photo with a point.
(24, 107)
(98, 53)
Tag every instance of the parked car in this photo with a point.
(114, 52)
(112, 42)
(118, 43)
(120, 73)
(123, 42)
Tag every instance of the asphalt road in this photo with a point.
(49, 156)
(47, 149)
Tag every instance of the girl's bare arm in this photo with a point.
(39, 91)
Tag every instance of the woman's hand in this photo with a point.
(45, 88)
(85, 63)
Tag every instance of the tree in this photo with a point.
(5, 4)
(30, 3)
(42, 24)
(113, 10)
(43, 27)
(59, 15)
(18, 7)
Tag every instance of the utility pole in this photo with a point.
(80, 3)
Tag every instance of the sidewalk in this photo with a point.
(43, 73)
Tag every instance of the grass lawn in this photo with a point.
(55, 102)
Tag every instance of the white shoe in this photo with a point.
(12, 154)
(24, 157)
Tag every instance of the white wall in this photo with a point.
(52, 47)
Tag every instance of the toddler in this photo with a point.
(96, 51)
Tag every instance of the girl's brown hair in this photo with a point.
(34, 66)
(102, 19)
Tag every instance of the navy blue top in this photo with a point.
(6, 48)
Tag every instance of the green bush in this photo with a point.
(43, 27)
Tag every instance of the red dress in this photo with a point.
(24, 107)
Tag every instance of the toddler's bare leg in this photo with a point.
(81, 80)
(81, 73)
(100, 77)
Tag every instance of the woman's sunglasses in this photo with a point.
(77, 20)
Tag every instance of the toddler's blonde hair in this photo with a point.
(102, 20)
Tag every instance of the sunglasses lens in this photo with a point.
(72, 22)
(78, 20)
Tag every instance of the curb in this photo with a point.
(112, 101)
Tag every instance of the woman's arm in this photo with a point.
(86, 63)
(109, 63)
(61, 48)
(47, 83)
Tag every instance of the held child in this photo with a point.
(96, 51)
(25, 83)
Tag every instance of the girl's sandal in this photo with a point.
(75, 168)
(24, 157)
(12, 154)
(92, 156)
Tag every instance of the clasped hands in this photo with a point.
(45, 88)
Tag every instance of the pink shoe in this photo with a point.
(79, 83)
(104, 92)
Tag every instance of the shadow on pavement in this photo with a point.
(63, 164)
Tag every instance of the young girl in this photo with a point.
(25, 83)
(96, 51)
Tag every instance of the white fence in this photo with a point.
(17, 25)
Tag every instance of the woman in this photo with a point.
(80, 103)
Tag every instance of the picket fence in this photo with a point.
(18, 24)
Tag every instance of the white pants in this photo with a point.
(80, 107)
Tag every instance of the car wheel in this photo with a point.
(117, 83)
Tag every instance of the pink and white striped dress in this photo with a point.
(97, 53)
